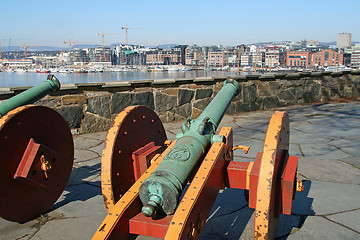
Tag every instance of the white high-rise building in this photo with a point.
(344, 40)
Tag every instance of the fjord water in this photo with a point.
(12, 79)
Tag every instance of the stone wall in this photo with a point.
(91, 107)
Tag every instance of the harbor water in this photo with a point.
(13, 79)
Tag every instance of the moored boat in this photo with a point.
(42, 71)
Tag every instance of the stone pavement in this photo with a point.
(326, 137)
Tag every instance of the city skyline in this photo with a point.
(51, 23)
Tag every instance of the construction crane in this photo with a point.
(70, 42)
(126, 30)
(102, 36)
(26, 47)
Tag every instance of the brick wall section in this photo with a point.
(91, 107)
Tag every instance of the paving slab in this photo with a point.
(328, 170)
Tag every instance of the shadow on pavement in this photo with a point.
(301, 209)
(84, 183)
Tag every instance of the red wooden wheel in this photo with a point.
(132, 129)
(37, 155)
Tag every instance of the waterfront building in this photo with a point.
(163, 57)
(344, 40)
(217, 59)
(78, 57)
(326, 58)
(130, 54)
(299, 59)
(355, 56)
(194, 56)
(252, 59)
(101, 56)
(182, 50)
(272, 56)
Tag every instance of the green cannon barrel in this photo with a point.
(160, 192)
(31, 95)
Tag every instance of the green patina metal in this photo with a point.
(31, 95)
(160, 192)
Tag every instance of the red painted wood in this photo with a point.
(237, 174)
(288, 184)
(141, 158)
(254, 179)
(141, 225)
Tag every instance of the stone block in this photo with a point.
(184, 110)
(203, 93)
(325, 94)
(94, 123)
(273, 86)
(264, 89)
(120, 101)
(249, 93)
(231, 109)
(202, 103)
(185, 96)
(49, 102)
(270, 102)
(71, 114)
(143, 98)
(164, 102)
(100, 105)
(73, 99)
(288, 96)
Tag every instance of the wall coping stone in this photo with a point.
(326, 73)
(92, 84)
(305, 74)
(293, 76)
(221, 78)
(163, 81)
(203, 79)
(316, 74)
(184, 80)
(252, 77)
(6, 90)
(336, 74)
(117, 84)
(345, 72)
(355, 72)
(141, 83)
(280, 75)
(240, 78)
(267, 77)
(68, 86)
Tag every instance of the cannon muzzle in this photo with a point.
(160, 192)
(31, 95)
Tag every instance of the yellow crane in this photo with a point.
(70, 42)
(102, 36)
(26, 47)
(126, 31)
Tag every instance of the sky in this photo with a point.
(220, 22)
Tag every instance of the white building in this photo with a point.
(344, 40)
